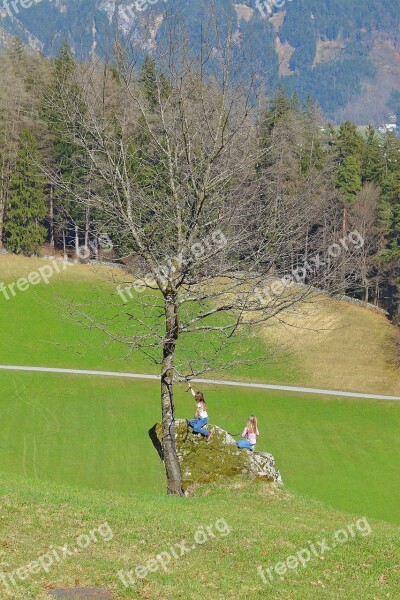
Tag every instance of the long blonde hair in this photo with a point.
(200, 398)
(252, 424)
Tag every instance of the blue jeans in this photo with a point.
(245, 444)
(198, 424)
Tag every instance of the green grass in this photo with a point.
(264, 526)
(37, 330)
(92, 432)
(325, 346)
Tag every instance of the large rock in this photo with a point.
(203, 462)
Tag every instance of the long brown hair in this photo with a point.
(199, 397)
(252, 424)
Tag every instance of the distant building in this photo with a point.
(387, 127)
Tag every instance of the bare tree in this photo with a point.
(363, 218)
(174, 154)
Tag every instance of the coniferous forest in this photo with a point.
(338, 178)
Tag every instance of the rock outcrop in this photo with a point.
(203, 462)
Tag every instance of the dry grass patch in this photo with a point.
(341, 346)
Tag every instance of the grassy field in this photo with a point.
(330, 344)
(254, 525)
(342, 346)
(37, 329)
(92, 432)
(75, 453)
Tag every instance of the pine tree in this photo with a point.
(70, 162)
(350, 142)
(390, 202)
(373, 165)
(278, 108)
(148, 79)
(349, 178)
(26, 206)
(153, 83)
(313, 154)
(17, 49)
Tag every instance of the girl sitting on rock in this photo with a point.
(200, 416)
(249, 434)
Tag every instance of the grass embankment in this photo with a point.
(332, 344)
(342, 346)
(92, 432)
(261, 526)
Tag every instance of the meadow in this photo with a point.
(262, 527)
(92, 432)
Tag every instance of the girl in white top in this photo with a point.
(200, 416)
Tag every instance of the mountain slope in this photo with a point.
(335, 51)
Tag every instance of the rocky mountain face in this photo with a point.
(345, 55)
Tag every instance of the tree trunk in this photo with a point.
(306, 248)
(96, 247)
(344, 222)
(76, 241)
(1, 222)
(64, 244)
(87, 228)
(3, 193)
(174, 482)
(51, 218)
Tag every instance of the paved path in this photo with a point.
(260, 386)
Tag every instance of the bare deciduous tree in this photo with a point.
(174, 154)
(363, 217)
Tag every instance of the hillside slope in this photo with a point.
(327, 344)
(251, 526)
(311, 46)
(341, 345)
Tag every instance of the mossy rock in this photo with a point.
(203, 462)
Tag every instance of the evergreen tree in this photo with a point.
(154, 83)
(350, 142)
(148, 79)
(17, 49)
(278, 107)
(69, 159)
(313, 153)
(349, 179)
(26, 206)
(373, 165)
(390, 202)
